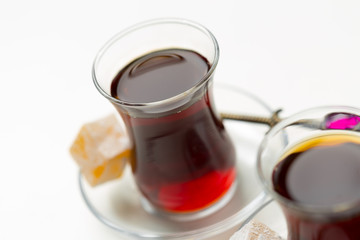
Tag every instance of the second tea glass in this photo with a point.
(308, 221)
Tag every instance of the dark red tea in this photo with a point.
(321, 172)
(184, 161)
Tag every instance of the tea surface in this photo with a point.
(322, 171)
(159, 75)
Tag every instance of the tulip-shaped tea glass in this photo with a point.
(158, 75)
(310, 164)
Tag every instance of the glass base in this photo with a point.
(219, 204)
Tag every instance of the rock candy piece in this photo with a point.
(255, 231)
(101, 149)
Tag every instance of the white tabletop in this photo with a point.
(293, 54)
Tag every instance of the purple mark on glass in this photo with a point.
(343, 121)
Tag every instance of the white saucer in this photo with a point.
(117, 203)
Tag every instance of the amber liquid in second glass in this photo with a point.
(183, 161)
(323, 172)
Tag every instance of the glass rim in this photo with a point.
(149, 23)
(337, 210)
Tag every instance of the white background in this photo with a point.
(293, 54)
